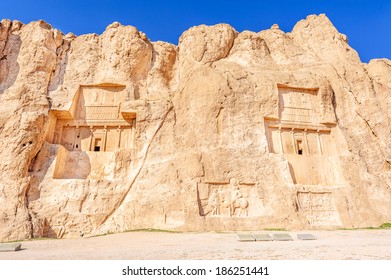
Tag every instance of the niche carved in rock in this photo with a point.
(92, 132)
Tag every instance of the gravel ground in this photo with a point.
(329, 245)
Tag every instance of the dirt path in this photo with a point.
(330, 245)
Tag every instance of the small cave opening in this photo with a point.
(97, 145)
(299, 146)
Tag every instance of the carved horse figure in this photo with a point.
(236, 201)
(241, 204)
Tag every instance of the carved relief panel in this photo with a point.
(298, 105)
(233, 199)
(318, 208)
(99, 102)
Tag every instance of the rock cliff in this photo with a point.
(226, 131)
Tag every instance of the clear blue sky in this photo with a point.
(367, 23)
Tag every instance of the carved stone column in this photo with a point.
(319, 143)
(293, 141)
(280, 139)
(104, 139)
(91, 137)
(306, 142)
(119, 137)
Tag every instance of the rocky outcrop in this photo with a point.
(226, 131)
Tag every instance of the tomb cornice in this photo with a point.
(297, 126)
(298, 88)
(100, 122)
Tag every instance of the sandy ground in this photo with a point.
(330, 245)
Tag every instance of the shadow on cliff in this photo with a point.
(8, 62)
(57, 79)
(38, 169)
(292, 172)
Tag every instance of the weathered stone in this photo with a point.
(245, 237)
(226, 131)
(262, 237)
(9, 247)
(306, 236)
(282, 237)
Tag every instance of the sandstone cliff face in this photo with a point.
(226, 131)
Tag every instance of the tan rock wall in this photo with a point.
(204, 144)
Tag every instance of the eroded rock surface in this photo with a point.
(226, 131)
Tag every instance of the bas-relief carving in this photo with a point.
(298, 105)
(318, 208)
(229, 199)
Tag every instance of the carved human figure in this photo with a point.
(214, 203)
(61, 226)
(241, 205)
(287, 100)
(318, 202)
(235, 193)
(95, 97)
(308, 216)
(305, 202)
(304, 101)
(87, 225)
(236, 200)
